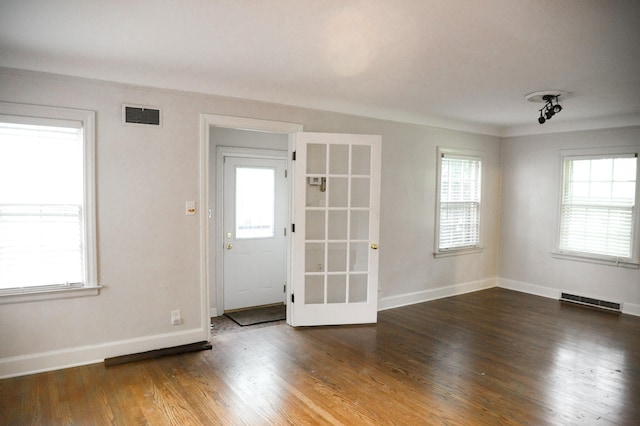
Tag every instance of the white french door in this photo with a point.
(254, 222)
(336, 217)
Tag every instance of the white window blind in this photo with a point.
(597, 206)
(41, 206)
(459, 202)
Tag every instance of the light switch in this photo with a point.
(190, 208)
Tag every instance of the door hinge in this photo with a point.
(285, 173)
(293, 227)
(285, 232)
(293, 156)
(285, 289)
(293, 299)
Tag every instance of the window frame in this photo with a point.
(36, 114)
(475, 154)
(594, 153)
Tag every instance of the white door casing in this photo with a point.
(336, 217)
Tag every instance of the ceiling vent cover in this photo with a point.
(138, 114)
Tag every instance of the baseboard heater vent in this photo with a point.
(588, 301)
(136, 114)
(158, 353)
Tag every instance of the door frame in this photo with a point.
(208, 209)
(221, 153)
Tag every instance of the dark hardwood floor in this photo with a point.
(490, 357)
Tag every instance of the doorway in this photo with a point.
(243, 138)
(335, 268)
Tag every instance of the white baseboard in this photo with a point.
(553, 293)
(631, 309)
(529, 288)
(91, 354)
(390, 302)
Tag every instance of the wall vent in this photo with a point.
(588, 301)
(138, 114)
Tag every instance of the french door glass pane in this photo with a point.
(337, 223)
(315, 225)
(338, 191)
(314, 289)
(339, 159)
(361, 160)
(255, 202)
(336, 288)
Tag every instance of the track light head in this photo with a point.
(551, 101)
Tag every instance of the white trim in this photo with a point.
(391, 302)
(206, 122)
(528, 288)
(470, 154)
(87, 120)
(553, 293)
(631, 309)
(630, 151)
(59, 293)
(90, 354)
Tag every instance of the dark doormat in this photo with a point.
(258, 315)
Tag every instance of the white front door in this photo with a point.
(254, 222)
(336, 217)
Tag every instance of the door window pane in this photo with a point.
(337, 257)
(337, 289)
(357, 288)
(315, 225)
(255, 203)
(360, 192)
(361, 160)
(316, 159)
(359, 224)
(313, 289)
(339, 159)
(359, 257)
(338, 192)
(338, 225)
(314, 257)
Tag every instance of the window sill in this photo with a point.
(457, 252)
(26, 296)
(597, 260)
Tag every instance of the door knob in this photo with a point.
(229, 246)
(374, 246)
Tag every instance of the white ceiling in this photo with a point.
(463, 64)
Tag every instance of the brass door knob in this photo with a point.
(374, 246)
(229, 246)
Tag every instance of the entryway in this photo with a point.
(331, 227)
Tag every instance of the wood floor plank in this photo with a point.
(484, 358)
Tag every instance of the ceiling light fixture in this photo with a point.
(551, 99)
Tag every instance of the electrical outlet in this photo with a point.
(176, 317)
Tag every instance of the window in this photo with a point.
(47, 227)
(598, 208)
(255, 202)
(458, 201)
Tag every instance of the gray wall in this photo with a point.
(148, 250)
(531, 184)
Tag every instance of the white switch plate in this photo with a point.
(190, 208)
(176, 317)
